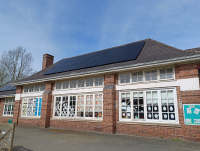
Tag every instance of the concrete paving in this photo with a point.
(37, 139)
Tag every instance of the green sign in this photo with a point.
(191, 114)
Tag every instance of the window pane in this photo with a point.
(154, 75)
(81, 83)
(147, 76)
(140, 76)
(134, 77)
(125, 78)
(72, 84)
(65, 85)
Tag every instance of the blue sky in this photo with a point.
(66, 28)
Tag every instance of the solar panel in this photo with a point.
(103, 57)
(8, 87)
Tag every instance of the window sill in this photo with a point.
(151, 124)
(23, 117)
(80, 120)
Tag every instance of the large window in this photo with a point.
(88, 106)
(31, 107)
(9, 107)
(149, 105)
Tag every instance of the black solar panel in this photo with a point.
(108, 56)
(8, 87)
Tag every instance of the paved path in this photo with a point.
(35, 139)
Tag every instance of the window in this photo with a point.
(65, 85)
(42, 87)
(151, 75)
(9, 107)
(125, 78)
(31, 88)
(81, 83)
(36, 88)
(89, 82)
(138, 105)
(31, 106)
(126, 105)
(98, 105)
(167, 101)
(72, 84)
(99, 81)
(166, 73)
(58, 85)
(150, 105)
(137, 77)
(80, 106)
(26, 89)
(87, 106)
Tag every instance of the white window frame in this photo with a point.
(131, 81)
(7, 103)
(98, 81)
(173, 73)
(151, 74)
(27, 88)
(130, 78)
(144, 76)
(38, 116)
(80, 82)
(176, 121)
(76, 109)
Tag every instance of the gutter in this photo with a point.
(116, 69)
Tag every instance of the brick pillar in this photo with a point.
(109, 110)
(17, 110)
(46, 106)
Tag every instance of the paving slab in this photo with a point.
(38, 139)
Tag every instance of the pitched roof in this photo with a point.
(194, 50)
(152, 51)
(7, 89)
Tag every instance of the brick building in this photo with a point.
(143, 95)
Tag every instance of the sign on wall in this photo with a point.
(191, 114)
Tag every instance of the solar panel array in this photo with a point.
(112, 55)
(8, 87)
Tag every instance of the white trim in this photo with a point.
(31, 94)
(116, 69)
(7, 96)
(77, 91)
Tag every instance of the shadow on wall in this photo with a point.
(20, 148)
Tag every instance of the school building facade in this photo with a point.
(143, 97)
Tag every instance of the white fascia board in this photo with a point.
(7, 96)
(116, 69)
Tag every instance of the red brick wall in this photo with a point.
(76, 125)
(186, 71)
(30, 122)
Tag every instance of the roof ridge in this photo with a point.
(177, 49)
